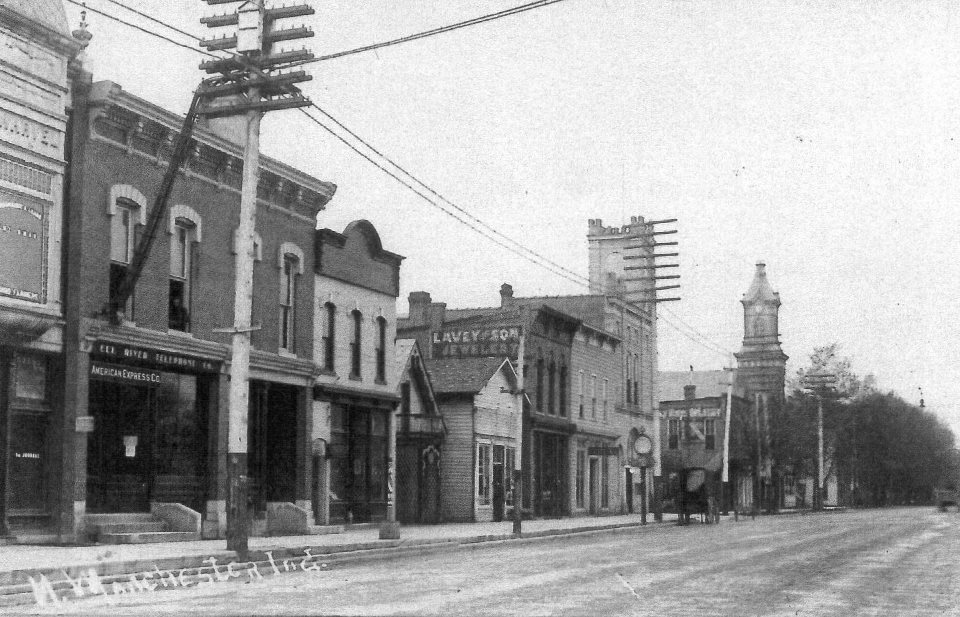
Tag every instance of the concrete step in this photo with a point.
(149, 536)
(119, 517)
(137, 527)
(319, 530)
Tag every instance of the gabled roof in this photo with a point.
(465, 375)
(408, 358)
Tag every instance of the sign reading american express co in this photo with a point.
(125, 374)
(476, 342)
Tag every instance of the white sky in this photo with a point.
(819, 137)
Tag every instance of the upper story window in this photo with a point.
(563, 391)
(606, 383)
(329, 336)
(127, 209)
(551, 388)
(355, 348)
(290, 263)
(580, 392)
(673, 434)
(381, 350)
(710, 433)
(288, 298)
(540, 384)
(629, 392)
(636, 379)
(122, 232)
(182, 239)
(405, 398)
(593, 396)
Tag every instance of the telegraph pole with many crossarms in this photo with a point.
(248, 83)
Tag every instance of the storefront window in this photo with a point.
(31, 378)
(483, 474)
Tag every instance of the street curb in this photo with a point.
(17, 586)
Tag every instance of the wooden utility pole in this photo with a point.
(725, 474)
(518, 455)
(820, 384)
(247, 87)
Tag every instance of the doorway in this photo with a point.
(119, 456)
(499, 496)
(594, 485)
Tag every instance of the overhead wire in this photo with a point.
(529, 254)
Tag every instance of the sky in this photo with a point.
(821, 138)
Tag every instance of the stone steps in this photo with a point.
(147, 537)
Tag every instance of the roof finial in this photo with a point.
(81, 34)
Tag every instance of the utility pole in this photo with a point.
(248, 86)
(725, 474)
(518, 457)
(757, 502)
(819, 384)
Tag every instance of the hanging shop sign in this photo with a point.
(477, 342)
(22, 254)
(152, 357)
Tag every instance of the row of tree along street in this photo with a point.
(881, 449)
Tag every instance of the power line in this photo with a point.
(530, 254)
(449, 28)
(434, 203)
(582, 279)
(141, 29)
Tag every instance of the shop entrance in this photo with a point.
(119, 457)
(149, 442)
(499, 494)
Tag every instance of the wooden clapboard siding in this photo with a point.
(457, 462)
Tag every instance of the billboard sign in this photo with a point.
(22, 230)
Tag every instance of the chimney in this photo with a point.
(419, 307)
(689, 393)
(506, 295)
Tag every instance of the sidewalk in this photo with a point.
(21, 566)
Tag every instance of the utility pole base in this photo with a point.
(238, 521)
(389, 530)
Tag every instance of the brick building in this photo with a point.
(144, 427)
(694, 408)
(356, 392)
(36, 62)
(589, 373)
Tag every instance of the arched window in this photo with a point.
(563, 391)
(184, 234)
(329, 336)
(381, 350)
(126, 209)
(288, 299)
(551, 388)
(355, 348)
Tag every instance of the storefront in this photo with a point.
(358, 459)
(28, 398)
(549, 473)
(148, 424)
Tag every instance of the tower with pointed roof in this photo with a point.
(761, 363)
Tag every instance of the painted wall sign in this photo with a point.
(696, 412)
(476, 342)
(153, 357)
(30, 134)
(126, 374)
(22, 227)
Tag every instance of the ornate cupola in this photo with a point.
(761, 361)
